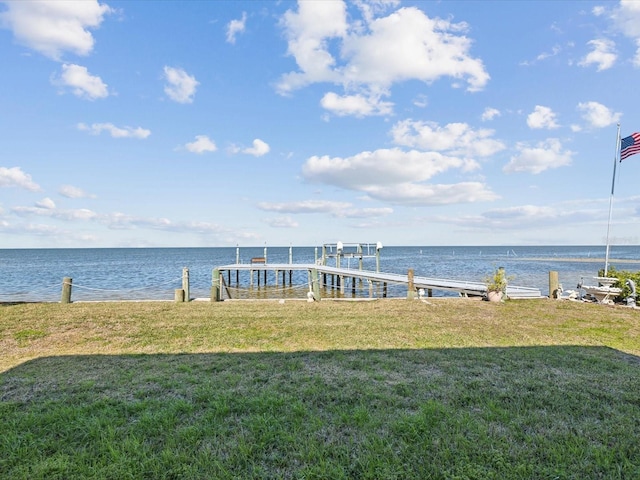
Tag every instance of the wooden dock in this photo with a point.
(328, 277)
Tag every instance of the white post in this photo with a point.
(613, 186)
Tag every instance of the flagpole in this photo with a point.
(613, 186)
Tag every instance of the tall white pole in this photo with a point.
(613, 186)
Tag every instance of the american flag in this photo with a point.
(630, 145)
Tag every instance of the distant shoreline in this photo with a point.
(569, 259)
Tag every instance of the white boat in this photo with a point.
(603, 292)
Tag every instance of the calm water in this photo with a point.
(154, 273)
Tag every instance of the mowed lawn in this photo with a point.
(452, 388)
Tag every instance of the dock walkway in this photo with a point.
(464, 288)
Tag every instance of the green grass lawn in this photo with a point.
(453, 388)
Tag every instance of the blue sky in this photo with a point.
(256, 123)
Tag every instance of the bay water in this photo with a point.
(28, 275)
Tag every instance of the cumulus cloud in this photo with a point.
(258, 149)
(201, 144)
(46, 203)
(53, 28)
(367, 56)
(70, 191)
(602, 54)
(489, 114)
(626, 17)
(15, 177)
(115, 132)
(546, 155)
(384, 166)
(453, 138)
(81, 83)
(598, 115)
(542, 117)
(234, 27)
(356, 105)
(180, 86)
(397, 176)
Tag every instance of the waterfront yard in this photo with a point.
(451, 388)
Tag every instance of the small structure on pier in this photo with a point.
(348, 251)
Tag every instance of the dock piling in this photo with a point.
(66, 290)
(178, 295)
(411, 289)
(215, 286)
(185, 284)
(554, 285)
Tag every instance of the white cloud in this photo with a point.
(371, 8)
(517, 217)
(38, 230)
(81, 82)
(180, 87)
(356, 105)
(603, 54)
(258, 149)
(542, 117)
(597, 115)
(420, 194)
(70, 191)
(235, 27)
(409, 45)
(308, 32)
(46, 203)
(115, 132)
(308, 206)
(384, 166)
(201, 144)
(398, 176)
(335, 209)
(545, 155)
(421, 101)
(364, 212)
(82, 214)
(543, 56)
(454, 138)
(489, 114)
(627, 18)
(117, 220)
(368, 58)
(15, 177)
(53, 27)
